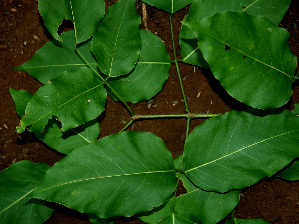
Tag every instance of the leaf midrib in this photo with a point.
(240, 150)
(21, 198)
(117, 37)
(247, 55)
(51, 112)
(103, 177)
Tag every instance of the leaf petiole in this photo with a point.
(177, 67)
(187, 115)
(104, 81)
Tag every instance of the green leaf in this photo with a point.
(201, 9)
(254, 65)
(291, 172)
(66, 142)
(150, 73)
(170, 6)
(96, 220)
(63, 142)
(296, 110)
(119, 175)
(75, 97)
(247, 221)
(188, 185)
(21, 99)
(84, 14)
(116, 43)
(16, 184)
(57, 57)
(237, 149)
(197, 206)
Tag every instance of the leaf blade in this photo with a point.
(291, 172)
(150, 73)
(16, 184)
(135, 166)
(116, 43)
(75, 97)
(56, 57)
(202, 9)
(66, 142)
(196, 206)
(21, 98)
(238, 58)
(256, 147)
(84, 17)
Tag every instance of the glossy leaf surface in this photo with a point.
(201, 9)
(254, 65)
(296, 110)
(63, 142)
(196, 206)
(237, 149)
(150, 73)
(66, 142)
(57, 57)
(21, 98)
(16, 184)
(116, 43)
(170, 6)
(119, 175)
(291, 172)
(84, 14)
(75, 97)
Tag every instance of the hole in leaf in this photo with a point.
(244, 56)
(181, 189)
(227, 47)
(66, 25)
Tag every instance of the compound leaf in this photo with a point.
(237, 149)
(119, 175)
(254, 65)
(57, 57)
(84, 14)
(16, 184)
(116, 43)
(150, 73)
(170, 6)
(75, 97)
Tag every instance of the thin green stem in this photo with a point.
(177, 67)
(120, 99)
(127, 125)
(188, 115)
(105, 83)
(188, 126)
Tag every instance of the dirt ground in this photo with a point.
(22, 34)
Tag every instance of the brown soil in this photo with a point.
(23, 33)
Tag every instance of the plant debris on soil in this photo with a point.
(22, 34)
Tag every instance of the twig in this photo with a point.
(144, 16)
